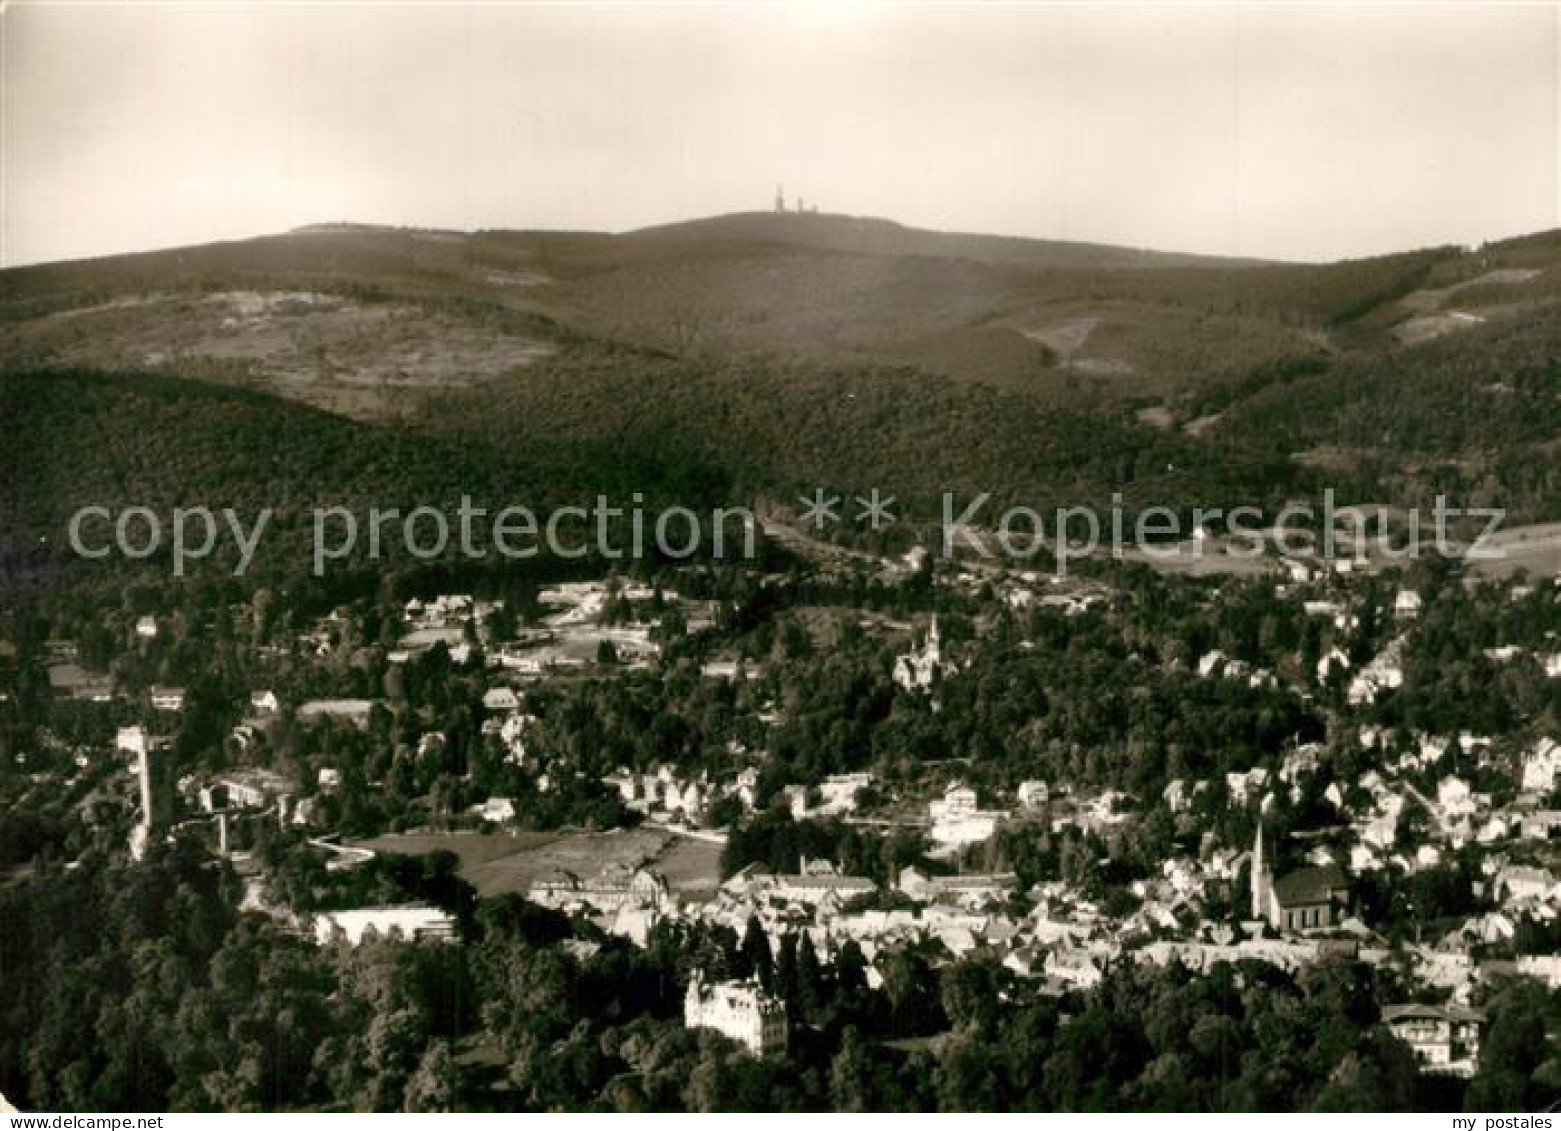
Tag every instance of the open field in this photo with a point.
(1535, 549)
(692, 867)
(1214, 558)
(327, 350)
(498, 863)
(474, 849)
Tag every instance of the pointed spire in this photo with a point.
(1262, 880)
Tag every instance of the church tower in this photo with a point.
(780, 199)
(1262, 878)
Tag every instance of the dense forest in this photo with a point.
(1474, 418)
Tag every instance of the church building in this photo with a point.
(1302, 900)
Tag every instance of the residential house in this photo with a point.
(1542, 824)
(1540, 764)
(747, 788)
(1244, 787)
(500, 700)
(1301, 762)
(138, 740)
(497, 810)
(1515, 882)
(1333, 660)
(840, 791)
(167, 698)
(1445, 1038)
(249, 788)
(1384, 673)
(1033, 795)
(354, 711)
(958, 800)
(1077, 967)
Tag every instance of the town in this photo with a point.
(919, 789)
(781, 557)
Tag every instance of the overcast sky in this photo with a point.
(1297, 133)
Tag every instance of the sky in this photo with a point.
(1304, 133)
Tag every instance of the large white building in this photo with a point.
(1445, 1038)
(968, 889)
(958, 820)
(614, 888)
(743, 1011)
(410, 924)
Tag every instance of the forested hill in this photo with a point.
(865, 235)
(77, 438)
(1477, 416)
(761, 356)
(576, 427)
(349, 306)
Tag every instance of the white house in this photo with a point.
(839, 791)
(1384, 673)
(1520, 883)
(958, 800)
(498, 810)
(1540, 763)
(1334, 658)
(167, 698)
(1445, 1038)
(1033, 794)
(1454, 798)
(132, 740)
(500, 700)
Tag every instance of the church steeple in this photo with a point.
(1262, 877)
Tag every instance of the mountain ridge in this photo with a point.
(1397, 373)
